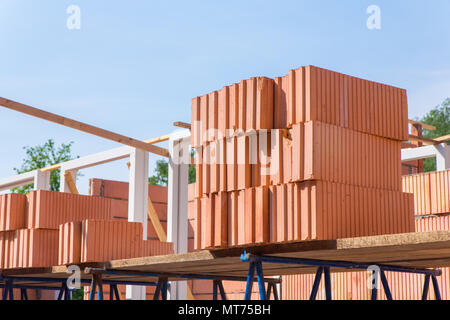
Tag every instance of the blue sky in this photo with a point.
(134, 66)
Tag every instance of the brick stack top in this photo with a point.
(262, 143)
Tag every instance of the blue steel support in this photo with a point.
(116, 292)
(426, 287)
(8, 290)
(327, 275)
(113, 292)
(221, 290)
(62, 292)
(215, 289)
(92, 292)
(250, 278)
(374, 285)
(260, 278)
(337, 264)
(23, 294)
(269, 291)
(164, 290)
(385, 285)
(157, 290)
(161, 289)
(316, 284)
(437, 292)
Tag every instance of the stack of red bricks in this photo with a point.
(313, 155)
(46, 228)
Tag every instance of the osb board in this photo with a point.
(418, 250)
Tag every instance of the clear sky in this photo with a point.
(134, 66)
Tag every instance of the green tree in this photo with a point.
(440, 118)
(42, 156)
(161, 174)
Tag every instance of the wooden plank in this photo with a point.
(425, 141)
(443, 139)
(70, 182)
(424, 125)
(183, 125)
(106, 134)
(416, 250)
(151, 212)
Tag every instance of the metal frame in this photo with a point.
(324, 268)
(162, 286)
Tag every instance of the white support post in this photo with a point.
(443, 157)
(41, 180)
(137, 205)
(63, 186)
(177, 214)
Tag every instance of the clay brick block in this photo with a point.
(196, 129)
(264, 103)
(221, 220)
(249, 216)
(262, 215)
(241, 200)
(49, 209)
(325, 152)
(231, 163)
(224, 109)
(207, 221)
(12, 211)
(213, 114)
(243, 166)
(232, 207)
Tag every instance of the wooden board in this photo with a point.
(417, 250)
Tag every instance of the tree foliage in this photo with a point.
(42, 156)
(440, 118)
(161, 174)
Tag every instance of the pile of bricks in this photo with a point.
(431, 192)
(105, 240)
(431, 197)
(313, 155)
(46, 228)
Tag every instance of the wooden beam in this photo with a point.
(183, 125)
(149, 141)
(71, 183)
(158, 139)
(425, 141)
(443, 139)
(38, 113)
(424, 125)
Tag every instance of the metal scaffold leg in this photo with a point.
(316, 284)
(255, 266)
(114, 292)
(8, 290)
(327, 278)
(218, 286)
(23, 294)
(64, 292)
(437, 292)
(96, 286)
(161, 289)
(272, 287)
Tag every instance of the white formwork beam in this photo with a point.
(41, 180)
(177, 210)
(137, 205)
(441, 152)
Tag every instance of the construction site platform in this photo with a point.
(413, 251)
